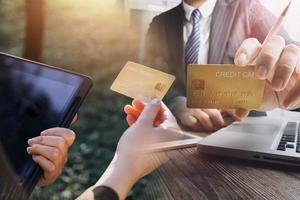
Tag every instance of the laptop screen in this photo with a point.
(32, 98)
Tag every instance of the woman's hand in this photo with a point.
(155, 124)
(134, 111)
(133, 158)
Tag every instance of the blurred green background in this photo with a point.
(91, 37)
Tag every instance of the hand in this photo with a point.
(154, 124)
(50, 151)
(192, 118)
(278, 64)
(74, 120)
(131, 162)
(231, 115)
(205, 119)
(134, 111)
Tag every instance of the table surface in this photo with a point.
(190, 174)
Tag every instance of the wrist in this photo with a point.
(119, 176)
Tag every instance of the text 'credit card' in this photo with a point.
(223, 86)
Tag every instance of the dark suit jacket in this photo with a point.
(232, 22)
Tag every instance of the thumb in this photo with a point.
(150, 112)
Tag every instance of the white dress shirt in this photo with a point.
(206, 10)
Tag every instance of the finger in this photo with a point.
(188, 120)
(130, 119)
(150, 112)
(74, 119)
(168, 119)
(215, 117)
(166, 109)
(44, 163)
(138, 104)
(268, 57)
(237, 114)
(248, 51)
(42, 182)
(203, 119)
(67, 134)
(52, 141)
(285, 67)
(241, 114)
(51, 153)
(293, 97)
(160, 117)
(129, 110)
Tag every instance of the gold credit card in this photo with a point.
(138, 81)
(223, 86)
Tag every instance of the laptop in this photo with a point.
(274, 139)
(34, 97)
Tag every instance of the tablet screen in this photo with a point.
(32, 98)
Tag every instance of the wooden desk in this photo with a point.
(191, 175)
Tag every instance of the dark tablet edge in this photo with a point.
(30, 183)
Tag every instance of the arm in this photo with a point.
(157, 54)
(155, 46)
(133, 158)
(118, 177)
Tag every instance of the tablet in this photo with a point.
(33, 98)
(8, 183)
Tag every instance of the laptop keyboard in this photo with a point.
(290, 138)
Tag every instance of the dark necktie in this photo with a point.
(193, 44)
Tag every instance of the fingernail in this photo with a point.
(262, 72)
(28, 150)
(43, 133)
(30, 141)
(155, 102)
(243, 59)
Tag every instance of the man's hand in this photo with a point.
(205, 119)
(50, 151)
(278, 64)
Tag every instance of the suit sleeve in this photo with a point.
(151, 46)
(155, 47)
(156, 54)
